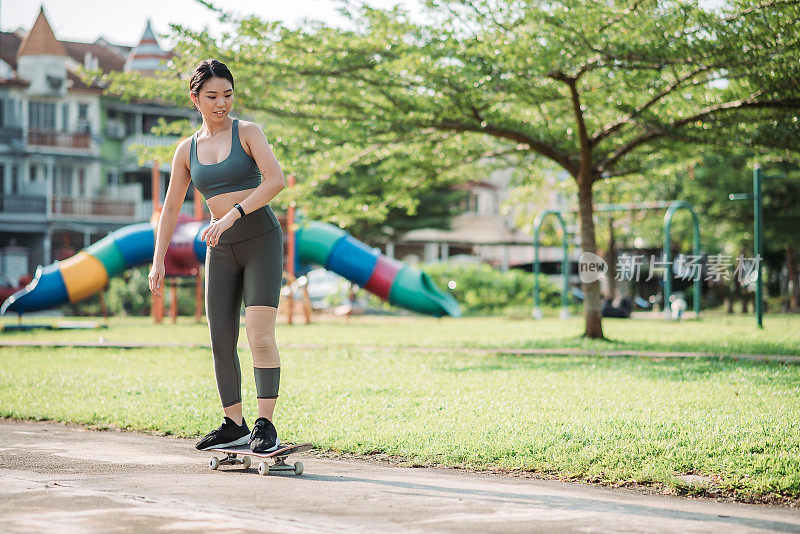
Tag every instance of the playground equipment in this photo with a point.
(537, 225)
(90, 269)
(389, 279)
(758, 227)
(671, 207)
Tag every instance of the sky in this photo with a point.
(86, 20)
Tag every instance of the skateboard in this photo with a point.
(241, 455)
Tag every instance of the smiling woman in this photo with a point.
(231, 164)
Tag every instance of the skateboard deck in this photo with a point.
(241, 455)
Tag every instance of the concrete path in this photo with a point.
(64, 478)
(554, 351)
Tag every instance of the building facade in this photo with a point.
(68, 175)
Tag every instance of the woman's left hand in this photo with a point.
(212, 232)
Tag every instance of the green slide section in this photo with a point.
(108, 253)
(402, 285)
(315, 242)
(413, 289)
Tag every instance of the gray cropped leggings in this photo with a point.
(247, 262)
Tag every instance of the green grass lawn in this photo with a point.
(615, 421)
(718, 333)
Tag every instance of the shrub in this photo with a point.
(484, 290)
(129, 294)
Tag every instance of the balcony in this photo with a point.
(55, 139)
(61, 207)
(148, 140)
(93, 207)
(28, 204)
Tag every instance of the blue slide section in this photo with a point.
(136, 243)
(45, 290)
(127, 247)
(352, 259)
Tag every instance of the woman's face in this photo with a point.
(215, 99)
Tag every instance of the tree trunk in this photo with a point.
(794, 287)
(591, 291)
(732, 293)
(741, 292)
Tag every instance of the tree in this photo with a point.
(434, 207)
(595, 87)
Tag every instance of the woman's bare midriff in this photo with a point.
(221, 204)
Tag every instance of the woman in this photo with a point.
(226, 160)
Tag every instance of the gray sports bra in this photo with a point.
(235, 173)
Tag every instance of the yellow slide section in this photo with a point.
(83, 275)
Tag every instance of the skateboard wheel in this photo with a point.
(213, 463)
(263, 468)
(246, 462)
(298, 468)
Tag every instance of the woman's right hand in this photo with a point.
(156, 279)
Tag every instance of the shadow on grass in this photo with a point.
(674, 370)
(676, 345)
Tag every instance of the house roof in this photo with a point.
(474, 184)
(41, 40)
(77, 83)
(107, 58)
(147, 55)
(14, 82)
(9, 44)
(107, 55)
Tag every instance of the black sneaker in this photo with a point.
(264, 437)
(229, 434)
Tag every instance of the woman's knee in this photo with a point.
(260, 327)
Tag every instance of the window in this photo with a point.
(112, 178)
(130, 124)
(64, 117)
(81, 182)
(83, 119)
(63, 181)
(41, 115)
(32, 173)
(14, 179)
(2, 111)
(472, 202)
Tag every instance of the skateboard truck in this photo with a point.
(230, 459)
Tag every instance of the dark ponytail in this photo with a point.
(205, 70)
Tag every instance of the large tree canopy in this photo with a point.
(595, 87)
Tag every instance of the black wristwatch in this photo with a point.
(238, 207)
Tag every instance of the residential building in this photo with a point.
(483, 232)
(68, 175)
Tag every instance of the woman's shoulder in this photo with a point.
(247, 126)
(249, 133)
(184, 144)
(183, 150)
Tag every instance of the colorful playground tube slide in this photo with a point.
(89, 271)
